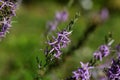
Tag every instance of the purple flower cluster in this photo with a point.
(82, 73)
(113, 73)
(7, 11)
(102, 52)
(61, 41)
(104, 14)
(61, 16)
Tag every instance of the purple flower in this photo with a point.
(52, 25)
(8, 4)
(104, 49)
(82, 73)
(63, 38)
(61, 41)
(98, 55)
(113, 73)
(7, 10)
(62, 16)
(6, 24)
(104, 14)
(102, 52)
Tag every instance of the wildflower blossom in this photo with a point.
(104, 14)
(98, 55)
(102, 52)
(7, 11)
(104, 49)
(60, 16)
(52, 25)
(5, 26)
(61, 41)
(113, 72)
(83, 72)
(55, 45)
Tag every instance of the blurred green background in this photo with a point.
(19, 49)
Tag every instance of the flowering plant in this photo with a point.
(7, 11)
